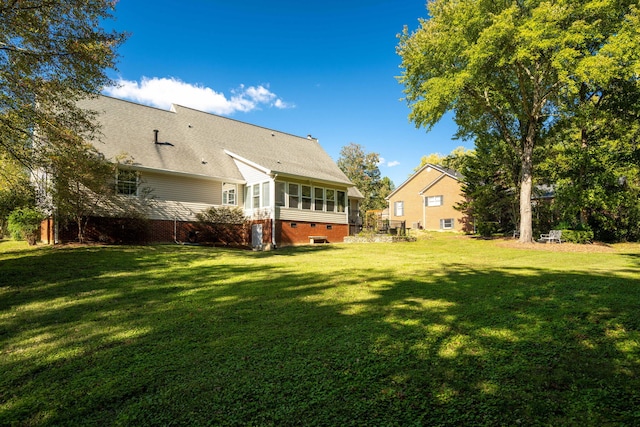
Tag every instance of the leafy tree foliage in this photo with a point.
(15, 189)
(80, 185)
(515, 69)
(362, 169)
(598, 180)
(51, 55)
(489, 184)
(455, 160)
(24, 223)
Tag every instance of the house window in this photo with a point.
(398, 209)
(306, 197)
(229, 192)
(280, 194)
(434, 201)
(341, 200)
(446, 224)
(256, 196)
(294, 196)
(127, 182)
(318, 199)
(331, 200)
(265, 195)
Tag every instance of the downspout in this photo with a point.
(273, 214)
(55, 227)
(424, 212)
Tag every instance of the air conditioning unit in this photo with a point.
(415, 225)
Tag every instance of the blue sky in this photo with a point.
(325, 68)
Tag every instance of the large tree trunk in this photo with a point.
(526, 185)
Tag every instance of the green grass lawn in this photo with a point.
(447, 330)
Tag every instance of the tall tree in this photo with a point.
(362, 169)
(52, 53)
(512, 68)
(454, 160)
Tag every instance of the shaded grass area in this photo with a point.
(443, 331)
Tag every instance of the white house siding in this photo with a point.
(251, 174)
(182, 188)
(179, 197)
(287, 214)
(171, 210)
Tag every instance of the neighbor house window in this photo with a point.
(398, 209)
(318, 198)
(280, 194)
(341, 196)
(331, 200)
(127, 182)
(446, 224)
(306, 197)
(229, 192)
(294, 196)
(434, 201)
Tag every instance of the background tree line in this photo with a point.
(548, 90)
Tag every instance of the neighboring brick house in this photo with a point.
(426, 200)
(191, 160)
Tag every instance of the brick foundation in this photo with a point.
(297, 233)
(116, 230)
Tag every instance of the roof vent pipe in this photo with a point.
(155, 132)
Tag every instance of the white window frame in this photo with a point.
(255, 196)
(443, 224)
(433, 201)
(330, 199)
(317, 199)
(293, 195)
(265, 195)
(127, 184)
(229, 194)
(281, 194)
(341, 201)
(306, 199)
(398, 208)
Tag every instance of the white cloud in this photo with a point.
(383, 162)
(162, 92)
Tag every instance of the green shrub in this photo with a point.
(226, 224)
(487, 228)
(577, 236)
(24, 224)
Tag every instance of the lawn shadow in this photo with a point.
(144, 336)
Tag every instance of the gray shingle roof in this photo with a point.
(193, 142)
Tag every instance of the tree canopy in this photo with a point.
(513, 70)
(362, 169)
(51, 55)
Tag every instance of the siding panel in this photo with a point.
(251, 174)
(182, 189)
(287, 214)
